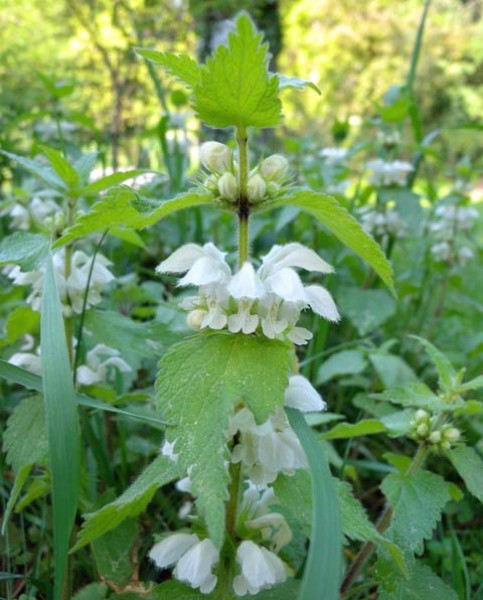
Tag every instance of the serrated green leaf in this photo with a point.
(285, 82)
(473, 384)
(200, 381)
(112, 553)
(235, 87)
(399, 423)
(131, 503)
(63, 431)
(346, 362)
(420, 584)
(343, 225)
(350, 430)
(45, 174)
(470, 468)
(109, 181)
(418, 501)
(85, 164)
(324, 560)
(415, 394)
(366, 309)
(61, 166)
(28, 250)
(445, 369)
(116, 209)
(392, 370)
(181, 66)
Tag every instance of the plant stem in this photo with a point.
(243, 204)
(68, 323)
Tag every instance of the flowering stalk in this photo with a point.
(243, 208)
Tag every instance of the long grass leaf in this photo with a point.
(323, 568)
(62, 424)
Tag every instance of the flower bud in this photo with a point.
(435, 437)
(228, 187)
(421, 415)
(422, 430)
(452, 435)
(256, 188)
(194, 318)
(274, 166)
(216, 157)
(445, 445)
(272, 188)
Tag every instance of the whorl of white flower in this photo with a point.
(260, 569)
(228, 187)
(464, 254)
(389, 138)
(274, 167)
(216, 157)
(28, 361)
(98, 360)
(36, 212)
(442, 252)
(302, 395)
(72, 289)
(167, 552)
(333, 156)
(383, 223)
(387, 173)
(256, 188)
(195, 566)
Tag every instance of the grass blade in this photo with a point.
(62, 424)
(323, 568)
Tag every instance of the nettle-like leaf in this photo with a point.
(445, 369)
(200, 382)
(470, 467)
(366, 309)
(415, 394)
(43, 172)
(121, 207)
(28, 250)
(112, 553)
(235, 87)
(337, 219)
(181, 66)
(131, 503)
(61, 166)
(418, 501)
(350, 430)
(295, 83)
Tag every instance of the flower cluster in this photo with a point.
(71, 286)
(385, 223)
(387, 173)
(450, 221)
(39, 212)
(264, 180)
(422, 430)
(264, 451)
(268, 300)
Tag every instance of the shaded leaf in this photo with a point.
(44, 173)
(366, 309)
(61, 166)
(469, 465)
(346, 362)
(181, 66)
(28, 250)
(349, 430)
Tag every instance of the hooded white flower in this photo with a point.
(246, 287)
(301, 394)
(259, 567)
(167, 552)
(195, 566)
(27, 360)
(97, 362)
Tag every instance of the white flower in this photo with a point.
(256, 188)
(302, 395)
(195, 566)
(389, 172)
(292, 255)
(259, 567)
(274, 166)
(333, 156)
(228, 187)
(216, 157)
(26, 360)
(97, 362)
(167, 552)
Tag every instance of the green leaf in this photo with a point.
(28, 250)
(346, 362)
(235, 87)
(20, 321)
(417, 500)
(132, 502)
(93, 591)
(61, 166)
(109, 181)
(34, 382)
(181, 66)
(420, 584)
(350, 430)
(324, 560)
(112, 553)
(200, 381)
(175, 590)
(85, 164)
(392, 370)
(366, 309)
(285, 82)
(445, 369)
(336, 218)
(116, 209)
(470, 468)
(62, 423)
(44, 173)
(415, 394)
(473, 384)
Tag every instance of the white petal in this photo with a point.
(86, 376)
(302, 395)
(195, 565)
(171, 549)
(260, 567)
(299, 335)
(322, 302)
(182, 259)
(205, 271)
(286, 284)
(26, 360)
(246, 284)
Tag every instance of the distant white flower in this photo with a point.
(98, 360)
(333, 156)
(388, 173)
(260, 569)
(382, 223)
